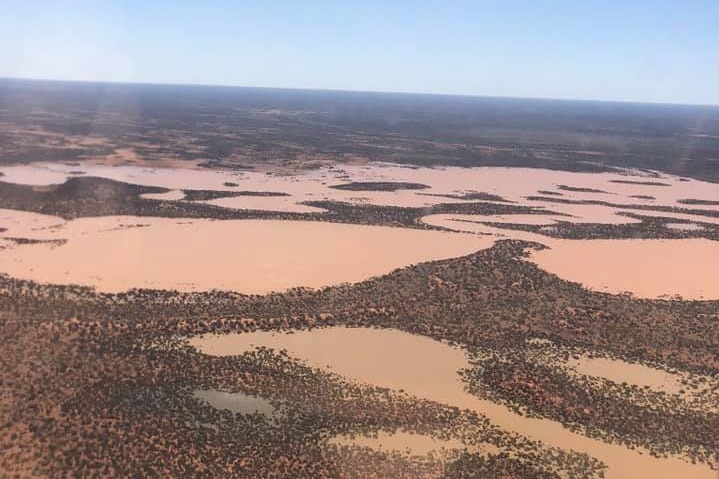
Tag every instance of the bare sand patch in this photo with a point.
(249, 256)
(405, 442)
(428, 369)
(238, 403)
(685, 226)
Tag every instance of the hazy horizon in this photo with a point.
(615, 51)
(339, 90)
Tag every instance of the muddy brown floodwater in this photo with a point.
(249, 256)
(172, 195)
(117, 253)
(620, 371)
(514, 184)
(428, 369)
(265, 203)
(646, 268)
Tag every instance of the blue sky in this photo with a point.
(657, 51)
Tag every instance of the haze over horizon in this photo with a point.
(615, 51)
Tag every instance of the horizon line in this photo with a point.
(343, 90)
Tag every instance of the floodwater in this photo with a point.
(696, 390)
(620, 371)
(255, 256)
(249, 256)
(428, 369)
(587, 213)
(172, 195)
(238, 403)
(681, 216)
(647, 268)
(264, 203)
(513, 184)
(22, 224)
(252, 256)
(475, 224)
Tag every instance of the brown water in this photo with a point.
(119, 253)
(428, 369)
(646, 268)
(172, 195)
(700, 396)
(514, 184)
(681, 216)
(587, 213)
(265, 203)
(620, 371)
(474, 224)
(22, 224)
(249, 256)
(569, 214)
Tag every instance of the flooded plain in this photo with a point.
(264, 203)
(249, 256)
(22, 224)
(646, 268)
(172, 195)
(512, 184)
(118, 253)
(399, 361)
(276, 262)
(620, 371)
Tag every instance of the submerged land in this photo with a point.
(215, 282)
